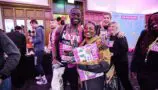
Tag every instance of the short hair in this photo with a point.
(34, 21)
(58, 19)
(73, 9)
(108, 14)
(113, 22)
(18, 28)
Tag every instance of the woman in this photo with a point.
(144, 65)
(104, 59)
(119, 49)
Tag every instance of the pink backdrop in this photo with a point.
(123, 6)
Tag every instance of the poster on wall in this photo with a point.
(131, 24)
(65, 17)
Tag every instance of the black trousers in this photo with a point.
(148, 80)
(18, 74)
(71, 75)
(122, 73)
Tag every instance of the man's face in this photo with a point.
(75, 16)
(112, 29)
(33, 25)
(106, 20)
(53, 24)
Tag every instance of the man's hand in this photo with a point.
(1, 81)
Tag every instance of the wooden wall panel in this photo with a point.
(8, 12)
(47, 31)
(39, 14)
(48, 15)
(19, 13)
(30, 14)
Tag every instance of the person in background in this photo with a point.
(104, 25)
(104, 60)
(38, 42)
(144, 64)
(29, 44)
(53, 26)
(66, 38)
(119, 49)
(20, 41)
(59, 20)
(62, 22)
(103, 28)
(8, 63)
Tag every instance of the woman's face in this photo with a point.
(112, 29)
(155, 23)
(89, 31)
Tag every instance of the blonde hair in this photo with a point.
(116, 24)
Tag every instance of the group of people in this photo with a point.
(63, 38)
(112, 45)
(113, 52)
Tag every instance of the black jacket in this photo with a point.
(119, 49)
(9, 48)
(138, 61)
(20, 41)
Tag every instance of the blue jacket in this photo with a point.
(38, 39)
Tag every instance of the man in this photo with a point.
(20, 41)
(119, 49)
(9, 63)
(67, 38)
(59, 20)
(104, 24)
(53, 26)
(38, 41)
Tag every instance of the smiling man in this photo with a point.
(66, 38)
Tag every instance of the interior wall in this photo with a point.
(1, 25)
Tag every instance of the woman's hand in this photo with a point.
(133, 75)
(121, 35)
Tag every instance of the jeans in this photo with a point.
(39, 59)
(6, 84)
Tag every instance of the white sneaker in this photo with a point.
(42, 81)
(38, 77)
